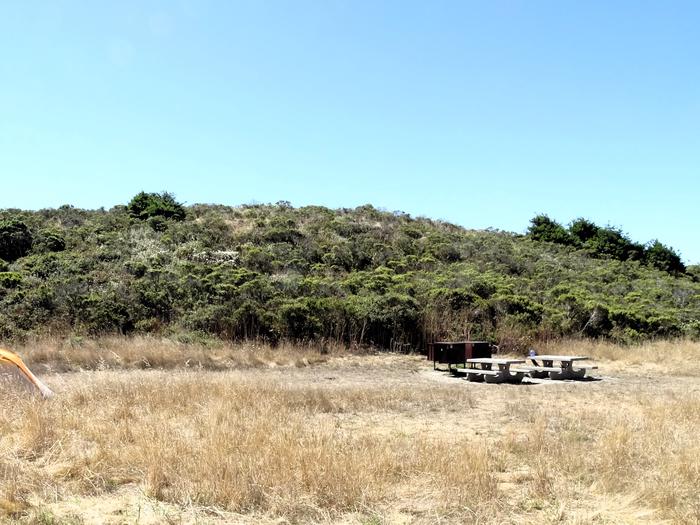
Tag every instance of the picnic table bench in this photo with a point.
(482, 369)
(565, 370)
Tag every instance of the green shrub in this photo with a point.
(299, 320)
(694, 272)
(611, 242)
(107, 312)
(357, 276)
(10, 279)
(49, 241)
(583, 230)
(15, 240)
(663, 258)
(146, 205)
(691, 329)
(542, 228)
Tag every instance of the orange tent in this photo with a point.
(10, 357)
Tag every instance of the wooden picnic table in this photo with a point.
(481, 369)
(564, 370)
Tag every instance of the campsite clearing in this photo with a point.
(378, 438)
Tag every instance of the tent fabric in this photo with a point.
(10, 358)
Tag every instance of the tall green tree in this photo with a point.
(146, 205)
(583, 230)
(664, 258)
(542, 228)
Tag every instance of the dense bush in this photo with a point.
(15, 239)
(583, 231)
(49, 241)
(145, 206)
(605, 242)
(357, 276)
(663, 258)
(542, 228)
(694, 271)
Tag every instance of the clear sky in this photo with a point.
(480, 113)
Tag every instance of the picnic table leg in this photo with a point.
(565, 372)
(578, 374)
(474, 378)
(515, 377)
(537, 374)
(575, 373)
(500, 377)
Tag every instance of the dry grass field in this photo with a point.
(149, 431)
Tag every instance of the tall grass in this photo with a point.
(143, 352)
(234, 443)
(296, 445)
(665, 357)
(651, 454)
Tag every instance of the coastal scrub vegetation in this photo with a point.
(358, 276)
(606, 242)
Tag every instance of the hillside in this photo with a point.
(355, 276)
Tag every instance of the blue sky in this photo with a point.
(480, 113)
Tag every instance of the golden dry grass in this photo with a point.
(227, 441)
(143, 352)
(351, 439)
(667, 357)
(647, 452)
